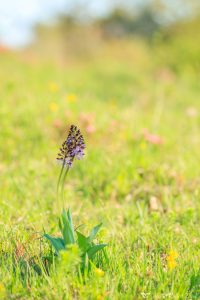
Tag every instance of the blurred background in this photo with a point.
(64, 30)
(101, 64)
(125, 72)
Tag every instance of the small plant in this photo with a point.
(69, 236)
(73, 148)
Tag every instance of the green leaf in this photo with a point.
(57, 243)
(64, 216)
(83, 241)
(70, 220)
(67, 234)
(83, 260)
(94, 249)
(67, 229)
(94, 232)
(60, 225)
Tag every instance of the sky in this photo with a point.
(18, 17)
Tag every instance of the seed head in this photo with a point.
(73, 147)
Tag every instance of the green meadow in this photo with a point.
(137, 106)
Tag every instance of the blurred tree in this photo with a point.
(76, 34)
(121, 23)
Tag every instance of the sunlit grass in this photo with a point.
(140, 177)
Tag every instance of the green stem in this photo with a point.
(62, 185)
(59, 179)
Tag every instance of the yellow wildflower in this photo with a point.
(71, 98)
(143, 145)
(53, 87)
(53, 106)
(100, 297)
(172, 254)
(113, 103)
(99, 272)
(2, 290)
(171, 259)
(171, 264)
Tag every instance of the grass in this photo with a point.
(146, 193)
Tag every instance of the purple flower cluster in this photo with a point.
(72, 148)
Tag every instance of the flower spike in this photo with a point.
(72, 148)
